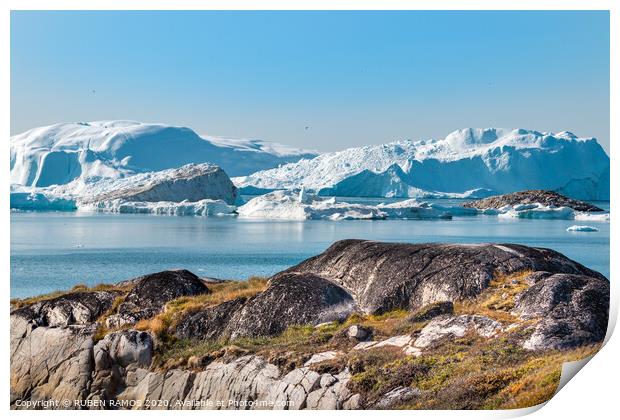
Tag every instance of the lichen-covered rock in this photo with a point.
(382, 276)
(124, 348)
(396, 397)
(75, 308)
(456, 326)
(208, 323)
(358, 332)
(547, 198)
(574, 311)
(50, 363)
(291, 299)
(150, 293)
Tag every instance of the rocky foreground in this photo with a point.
(543, 197)
(363, 325)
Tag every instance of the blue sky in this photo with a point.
(352, 78)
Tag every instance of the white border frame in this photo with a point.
(593, 395)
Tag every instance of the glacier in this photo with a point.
(61, 153)
(468, 163)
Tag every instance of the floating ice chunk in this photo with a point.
(291, 205)
(581, 228)
(592, 217)
(537, 211)
(21, 200)
(185, 208)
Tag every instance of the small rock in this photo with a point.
(397, 396)
(358, 332)
(322, 357)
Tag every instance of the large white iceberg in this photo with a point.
(478, 162)
(61, 153)
(300, 205)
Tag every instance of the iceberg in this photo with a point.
(30, 200)
(196, 189)
(536, 211)
(578, 228)
(541, 211)
(478, 162)
(192, 182)
(301, 205)
(592, 217)
(204, 207)
(61, 153)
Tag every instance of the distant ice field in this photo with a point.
(56, 250)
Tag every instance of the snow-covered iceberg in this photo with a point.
(300, 205)
(192, 182)
(61, 153)
(536, 211)
(478, 162)
(541, 211)
(184, 208)
(592, 217)
(29, 200)
(200, 189)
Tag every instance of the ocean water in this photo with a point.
(54, 250)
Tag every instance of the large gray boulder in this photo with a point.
(76, 308)
(291, 299)
(382, 276)
(573, 311)
(150, 294)
(208, 323)
(49, 363)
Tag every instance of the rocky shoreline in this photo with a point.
(363, 325)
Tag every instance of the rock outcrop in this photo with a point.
(383, 276)
(58, 349)
(291, 299)
(77, 308)
(547, 198)
(573, 310)
(150, 293)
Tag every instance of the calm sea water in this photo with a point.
(54, 251)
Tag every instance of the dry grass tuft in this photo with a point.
(498, 299)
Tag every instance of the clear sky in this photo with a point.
(352, 78)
